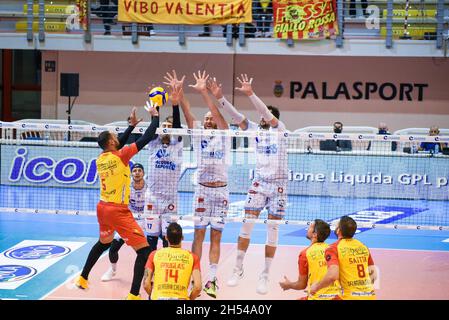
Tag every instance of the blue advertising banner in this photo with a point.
(339, 175)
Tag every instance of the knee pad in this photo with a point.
(272, 235)
(247, 228)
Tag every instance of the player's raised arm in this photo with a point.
(216, 90)
(246, 88)
(151, 130)
(174, 82)
(133, 121)
(201, 87)
(175, 95)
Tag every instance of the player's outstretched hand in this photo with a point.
(151, 107)
(176, 95)
(245, 83)
(173, 81)
(133, 121)
(201, 82)
(215, 88)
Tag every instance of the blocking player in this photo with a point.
(211, 197)
(164, 171)
(269, 186)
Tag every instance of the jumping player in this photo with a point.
(113, 213)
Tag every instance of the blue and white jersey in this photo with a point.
(137, 199)
(271, 153)
(164, 166)
(212, 156)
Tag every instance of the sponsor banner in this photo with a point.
(185, 12)
(334, 174)
(28, 258)
(306, 19)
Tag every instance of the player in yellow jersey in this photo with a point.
(113, 213)
(312, 264)
(171, 270)
(350, 262)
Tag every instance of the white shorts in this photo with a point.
(210, 202)
(270, 195)
(158, 204)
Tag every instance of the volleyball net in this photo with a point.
(382, 181)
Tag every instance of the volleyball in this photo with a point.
(158, 95)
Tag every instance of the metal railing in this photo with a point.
(357, 19)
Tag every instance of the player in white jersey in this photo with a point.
(269, 186)
(211, 197)
(164, 171)
(136, 205)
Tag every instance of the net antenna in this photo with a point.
(406, 34)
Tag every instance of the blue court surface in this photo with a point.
(81, 232)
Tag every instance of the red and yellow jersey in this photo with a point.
(115, 175)
(172, 268)
(312, 264)
(353, 259)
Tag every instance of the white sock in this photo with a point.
(212, 271)
(268, 262)
(114, 267)
(240, 257)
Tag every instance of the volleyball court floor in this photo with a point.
(412, 264)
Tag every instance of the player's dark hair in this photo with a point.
(274, 111)
(174, 233)
(348, 226)
(103, 139)
(322, 229)
(338, 122)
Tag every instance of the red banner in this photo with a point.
(82, 13)
(306, 19)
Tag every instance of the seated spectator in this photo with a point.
(250, 30)
(108, 10)
(383, 129)
(262, 15)
(336, 145)
(432, 146)
(206, 32)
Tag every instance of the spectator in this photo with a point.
(171, 270)
(206, 32)
(249, 31)
(383, 130)
(353, 10)
(336, 145)
(108, 11)
(433, 147)
(262, 15)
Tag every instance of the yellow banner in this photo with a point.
(185, 11)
